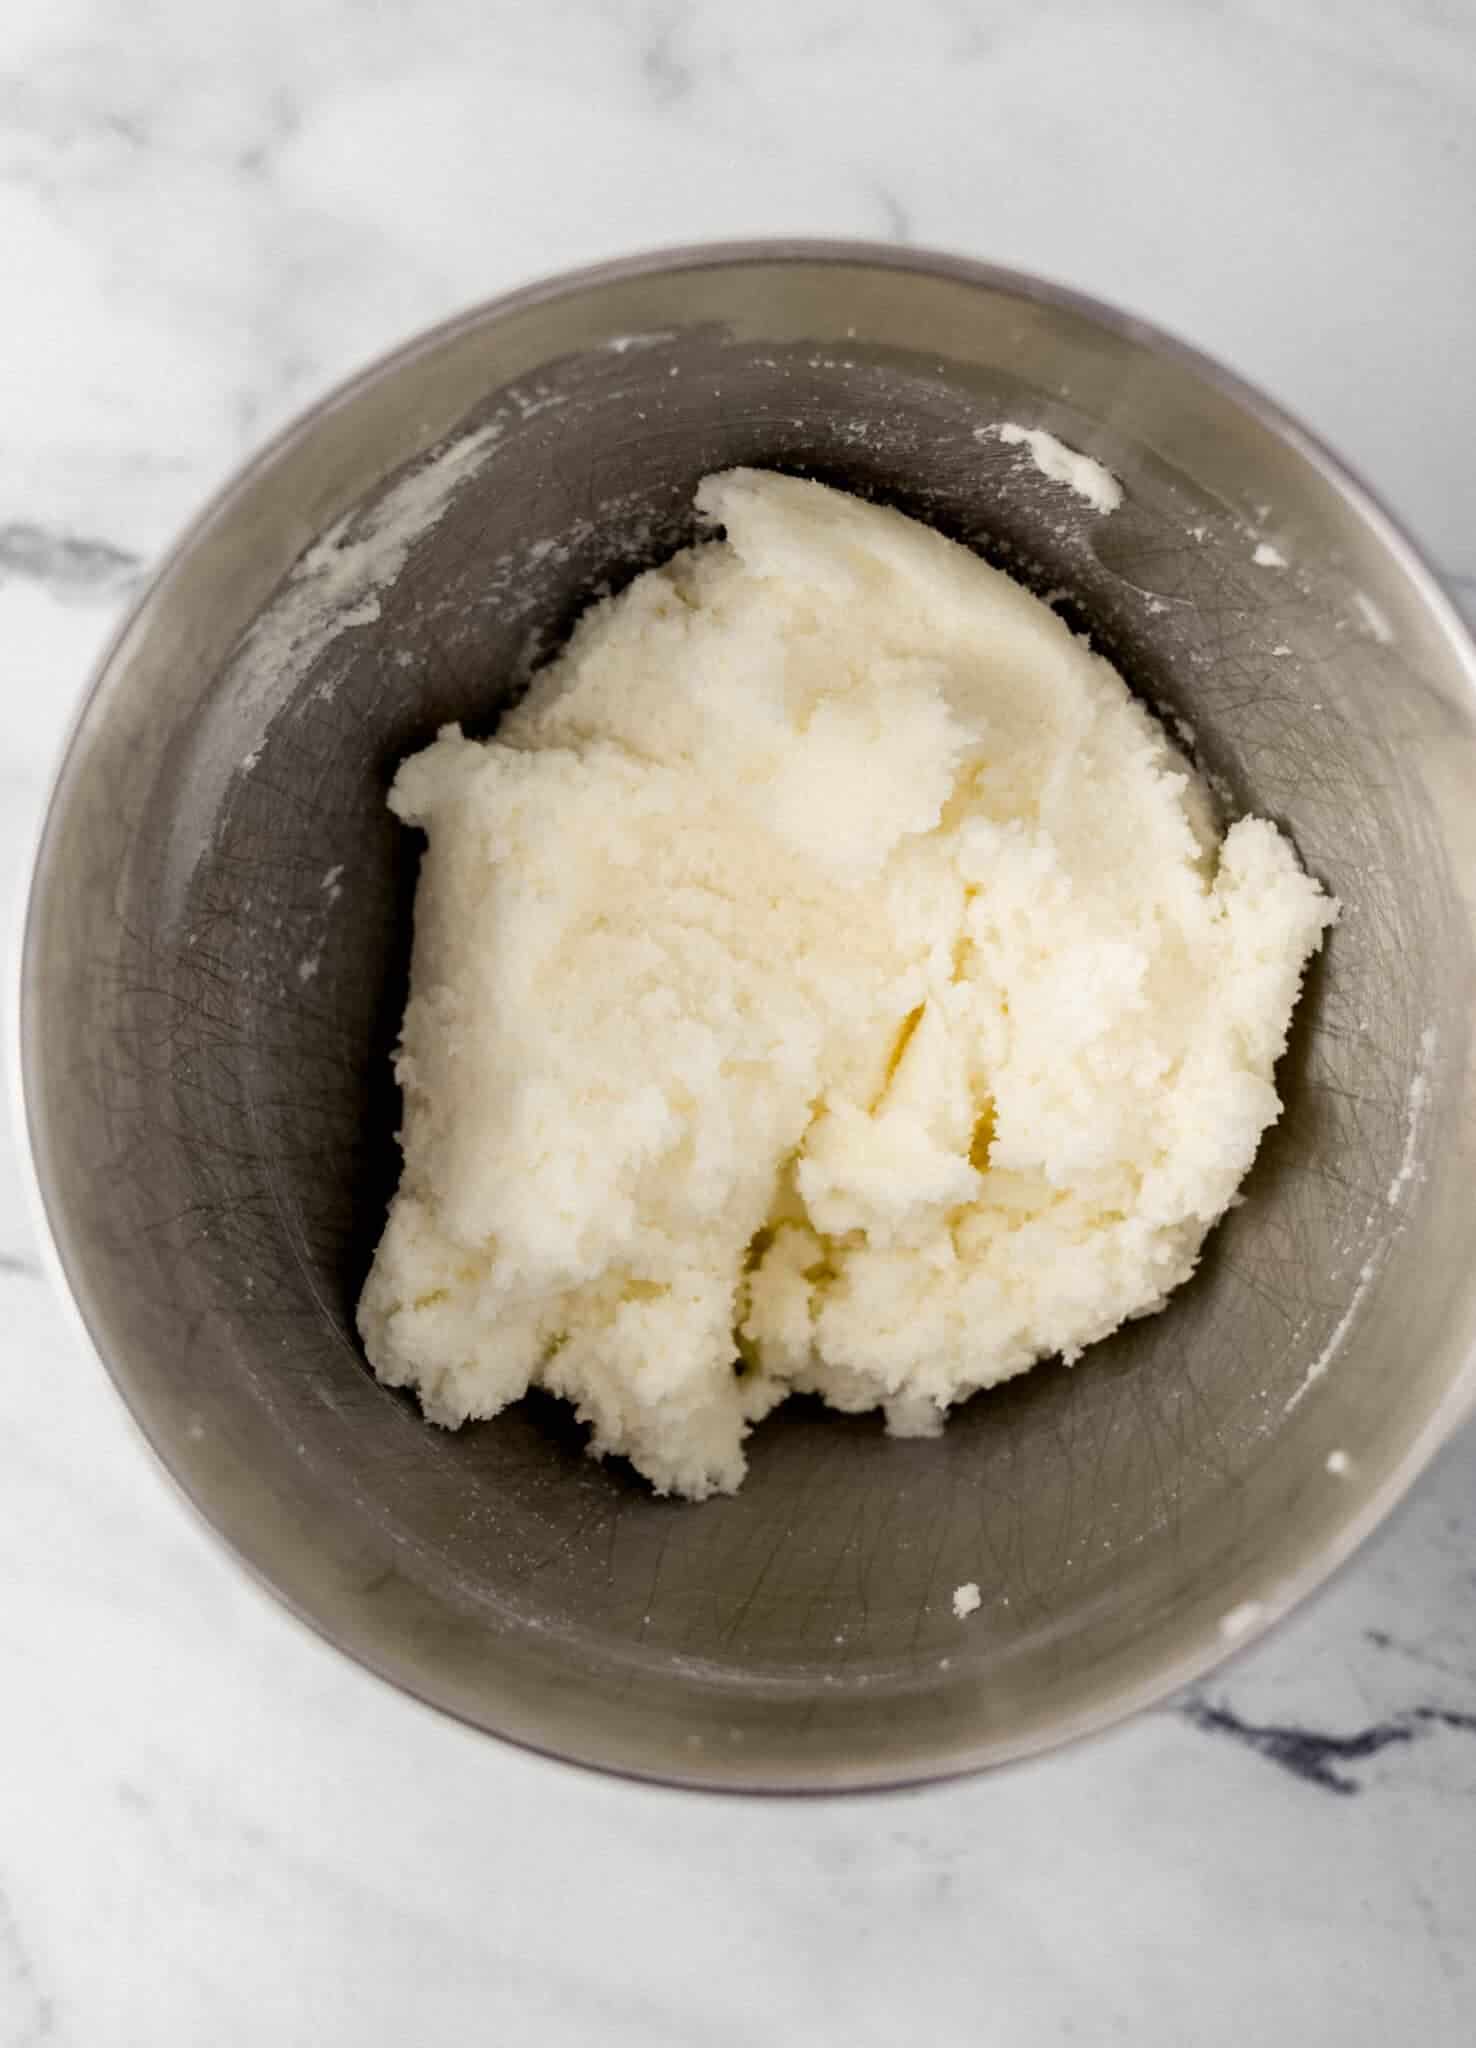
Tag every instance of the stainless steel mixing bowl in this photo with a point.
(215, 963)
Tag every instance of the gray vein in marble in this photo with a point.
(1428, 1910)
(28, 2014)
(1415, 1653)
(897, 217)
(70, 563)
(667, 74)
(282, 124)
(1313, 1754)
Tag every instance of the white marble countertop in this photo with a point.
(211, 1828)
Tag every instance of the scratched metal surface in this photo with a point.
(216, 964)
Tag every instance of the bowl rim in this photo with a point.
(1209, 1650)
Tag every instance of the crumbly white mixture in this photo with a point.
(966, 1599)
(828, 979)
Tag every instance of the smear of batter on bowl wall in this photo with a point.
(1089, 478)
(829, 979)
